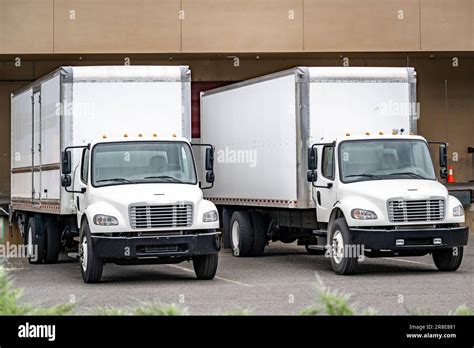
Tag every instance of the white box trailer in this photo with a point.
(75, 105)
(103, 155)
(273, 137)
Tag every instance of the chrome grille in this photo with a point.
(416, 210)
(161, 216)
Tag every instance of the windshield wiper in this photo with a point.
(372, 176)
(414, 175)
(116, 179)
(166, 177)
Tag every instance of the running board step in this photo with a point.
(320, 232)
(317, 247)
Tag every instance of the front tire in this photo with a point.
(241, 233)
(35, 242)
(448, 260)
(343, 259)
(91, 265)
(205, 266)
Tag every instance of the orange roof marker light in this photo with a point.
(140, 135)
(154, 135)
(380, 133)
(348, 134)
(125, 135)
(104, 136)
(174, 135)
(367, 133)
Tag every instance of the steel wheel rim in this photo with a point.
(235, 234)
(29, 245)
(337, 247)
(84, 253)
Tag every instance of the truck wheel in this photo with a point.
(259, 234)
(91, 264)
(448, 260)
(342, 260)
(205, 266)
(53, 241)
(34, 242)
(241, 233)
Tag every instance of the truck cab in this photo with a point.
(138, 200)
(378, 195)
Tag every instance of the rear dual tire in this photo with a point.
(43, 240)
(248, 235)
(35, 242)
(53, 241)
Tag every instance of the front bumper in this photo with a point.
(207, 242)
(414, 239)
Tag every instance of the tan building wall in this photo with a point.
(229, 26)
(97, 26)
(207, 34)
(363, 25)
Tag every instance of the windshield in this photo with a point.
(142, 162)
(362, 160)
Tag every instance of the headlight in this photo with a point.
(105, 220)
(362, 214)
(458, 211)
(210, 216)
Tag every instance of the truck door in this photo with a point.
(36, 146)
(81, 199)
(324, 194)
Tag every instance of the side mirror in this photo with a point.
(210, 177)
(312, 176)
(443, 156)
(312, 158)
(66, 180)
(209, 158)
(443, 161)
(66, 163)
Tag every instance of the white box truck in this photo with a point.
(102, 166)
(328, 156)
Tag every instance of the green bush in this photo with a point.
(330, 302)
(462, 310)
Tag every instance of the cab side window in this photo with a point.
(85, 166)
(328, 164)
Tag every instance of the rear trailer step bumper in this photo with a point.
(156, 246)
(410, 239)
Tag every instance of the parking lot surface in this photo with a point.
(280, 282)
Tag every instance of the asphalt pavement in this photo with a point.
(280, 282)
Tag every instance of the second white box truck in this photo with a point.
(327, 156)
(102, 165)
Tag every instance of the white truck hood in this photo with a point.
(115, 200)
(151, 193)
(374, 194)
(382, 190)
